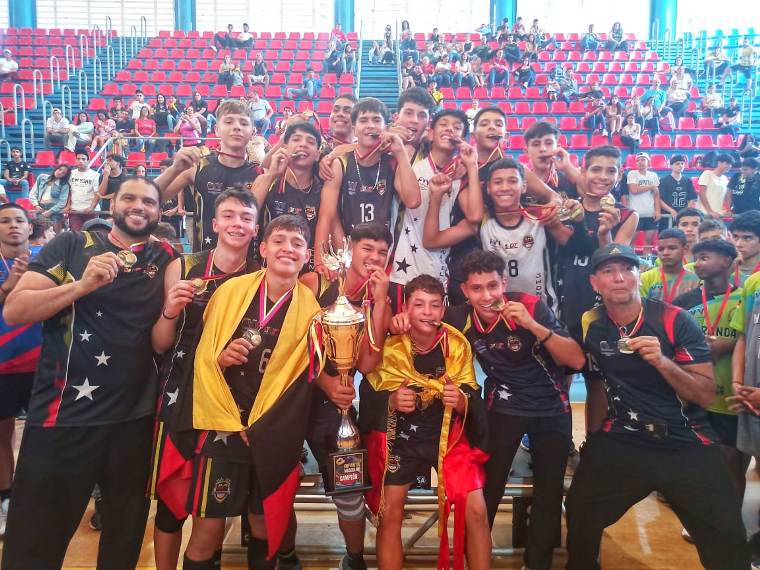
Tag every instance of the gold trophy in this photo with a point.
(343, 326)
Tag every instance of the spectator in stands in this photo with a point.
(658, 96)
(552, 90)
(747, 64)
(200, 106)
(223, 40)
(650, 118)
(406, 74)
(16, 174)
(145, 131)
(455, 52)
(499, 74)
(678, 62)
(56, 129)
(244, 39)
(443, 75)
(376, 53)
(744, 187)
(83, 183)
(677, 99)
(712, 102)
(417, 76)
(140, 170)
(471, 112)
(138, 104)
(511, 51)
(348, 60)
(50, 194)
(408, 47)
(633, 108)
(282, 124)
(115, 109)
(630, 134)
(463, 72)
(594, 118)
(113, 175)
(478, 74)
(260, 73)
(717, 65)
(80, 133)
(676, 190)
(537, 35)
(261, 113)
(730, 119)
(748, 148)
(713, 185)
(644, 196)
(483, 51)
(437, 96)
(174, 106)
(338, 36)
(613, 116)
(8, 67)
(435, 37)
(590, 41)
(104, 128)
(164, 118)
(524, 75)
(257, 149)
(616, 40)
(682, 78)
(428, 68)
(530, 50)
(518, 29)
(125, 127)
(225, 72)
(333, 58)
(309, 88)
(568, 87)
(189, 127)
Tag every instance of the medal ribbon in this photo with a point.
(209, 276)
(708, 325)
(266, 316)
(667, 296)
(448, 170)
(737, 274)
(135, 246)
(370, 152)
(624, 331)
(441, 338)
(547, 210)
(511, 325)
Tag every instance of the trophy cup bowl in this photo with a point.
(343, 328)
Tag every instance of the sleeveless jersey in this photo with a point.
(211, 179)
(523, 248)
(411, 257)
(367, 193)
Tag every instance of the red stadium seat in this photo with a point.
(662, 141)
(704, 141)
(660, 161)
(568, 124)
(559, 108)
(513, 124)
(683, 141)
(686, 124)
(578, 142)
(134, 158)
(45, 158)
(726, 141)
(522, 108)
(540, 108)
(67, 157)
(705, 123)
(516, 142)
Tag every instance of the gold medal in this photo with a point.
(607, 201)
(623, 346)
(205, 151)
(128, 259)
(253, 336)
(200, 286)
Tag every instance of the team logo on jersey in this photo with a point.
(381, 187)
(222, 489)
(514, 343)
(214, 187)
(528, 241)
(151, 270)
(310, 212)
(352, 187)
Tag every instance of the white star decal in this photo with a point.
(207, 240)
(633, 415)
(99, 314)
(413, 428)
(616, 398)
(173, 396)
(504, 394)
(85, 336)
(102, 358)
(222, 436)
(85, 390)
(403, 435)
(180, 354)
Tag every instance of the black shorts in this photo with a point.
(410, 464)
(646, 224)
(725, 425)
(221, 488)
(15, 390)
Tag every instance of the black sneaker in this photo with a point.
(95, 523)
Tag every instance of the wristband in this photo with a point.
(547, 337)
(163, 314)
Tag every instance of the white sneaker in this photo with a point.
(3, 516)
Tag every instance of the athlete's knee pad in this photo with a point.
(350, 506)
(165, 520)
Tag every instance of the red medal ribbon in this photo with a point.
(370, 152)
(737, 274)
(266, 316)
(209, 276)
(448, 170)
(668, 297)
(708, 325)
(511, 325)
(637, 325)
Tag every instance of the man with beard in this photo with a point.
(90, 418)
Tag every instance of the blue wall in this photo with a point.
(664, 12)
(184, 15)
(344, 14)
(22, 13)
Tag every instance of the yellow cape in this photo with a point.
(214, 408)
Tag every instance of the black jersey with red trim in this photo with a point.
(96, 366)
(211, 179)
(367, 193)
(641, 403)
(522, 379)
(244, 380)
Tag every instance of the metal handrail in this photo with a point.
(133, 40)
(54, 60)
(102, 152)
(144, 30)
(84, 48)
(95, 38)
(667, 48)
(37, 79)
(24, 123)
(8, 151)
(66, 89)
(16, 88)
(97, 75)
(82, 74)
(70, 63)
(360, 57)
(45, 114)
(397, 49)
(110, 62)
(2, 120)
(109, 29)
(122, 52)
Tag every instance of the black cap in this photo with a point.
(613, 251)
(97, 224)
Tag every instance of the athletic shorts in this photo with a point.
(221, 488)
(411, 464)
(647, 224)
(15, 390)
(726, 426)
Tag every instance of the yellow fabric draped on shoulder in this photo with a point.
(397, 364)
(214, 407)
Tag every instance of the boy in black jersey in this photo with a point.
(90, 419)
(190, 282)
(421, 408)
(251, 395)
(366, 282)
(658, 377)
(290, 184)
(209, 175)
(367, 184)
(522, 348)
(550, 162)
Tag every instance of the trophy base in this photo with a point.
(347, 472)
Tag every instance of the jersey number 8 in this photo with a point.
(512, 268)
